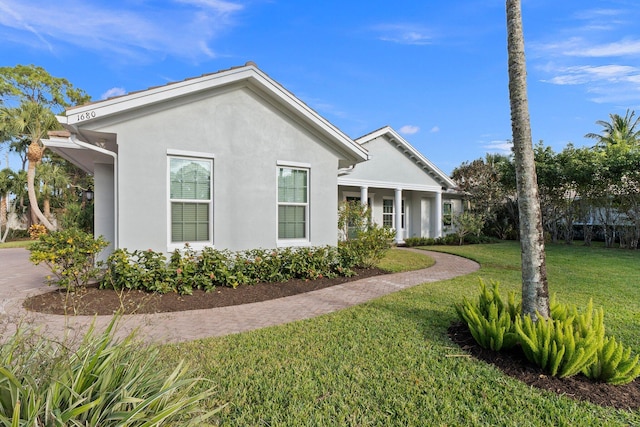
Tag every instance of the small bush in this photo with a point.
(144, 270)
(37, 230)
(490, 319)
(102, 383)
(614, 363)
(71, 255)
(367, 248)
(562, 347)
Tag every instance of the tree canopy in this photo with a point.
(29, 99)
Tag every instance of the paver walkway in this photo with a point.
(20, 279)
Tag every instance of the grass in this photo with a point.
(397, 261)
(16, 244)
(389, 362)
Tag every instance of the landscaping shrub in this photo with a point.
(145, 270)
(367, 248)
(614, 363)
(71, 256)
(188, 270)
(449, 239)
(562, 347)
(490, 319)
(568, 343)
(102, 383)
(37, 230)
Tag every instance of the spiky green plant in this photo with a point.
(489, 318)
(565, 346)
(614, 363)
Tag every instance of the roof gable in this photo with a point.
(248, 75)
(409, 153)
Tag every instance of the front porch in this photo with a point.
(420, 207)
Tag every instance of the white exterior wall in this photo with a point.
(247, 136)
(104, 205)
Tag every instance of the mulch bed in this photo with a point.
(92, 300)
(514, 363)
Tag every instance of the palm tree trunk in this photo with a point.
(35, 155)
(535, 292)
(3, 211)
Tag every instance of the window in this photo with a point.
(387, 213)
(190, 198)
(293, 203)
(447, 214)
(388, 217)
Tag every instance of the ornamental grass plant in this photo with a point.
(98, 382)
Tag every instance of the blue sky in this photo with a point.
(436, 71)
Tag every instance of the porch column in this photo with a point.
(364, 195)
(438, 215)
(398, 211)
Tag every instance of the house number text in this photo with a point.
(86, 116)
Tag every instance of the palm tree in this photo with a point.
(535, 292)
(53, 178)
(619, 131)
(36, 93)
(6, 182)
(32, 120)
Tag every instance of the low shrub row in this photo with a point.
(188, 270)
(449, 239)
(568, 343)
(71, 255)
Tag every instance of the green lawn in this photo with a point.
(389, 362)
(16, 244)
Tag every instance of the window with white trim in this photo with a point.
(293, 203)
(388, 213)
(447, 213)
(190, 200)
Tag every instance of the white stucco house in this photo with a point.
(398, 178)
(235, 161)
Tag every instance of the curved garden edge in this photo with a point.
(194, 324)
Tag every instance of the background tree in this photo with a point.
(467, 223)
(619, 131)
(616, 184)
(550, 178)
(30, 95)
(7, 182)
(535, 293)
(486, 185)
(53, 181)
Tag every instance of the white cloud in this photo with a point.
(498, 147)
(598, 50)
(435, 129)
(590, 74)
(626, 47)
(410, 34)
(220, 6)
(185, 31)
(114, 91)
(409, 129)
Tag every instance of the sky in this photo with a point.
(435, 71)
